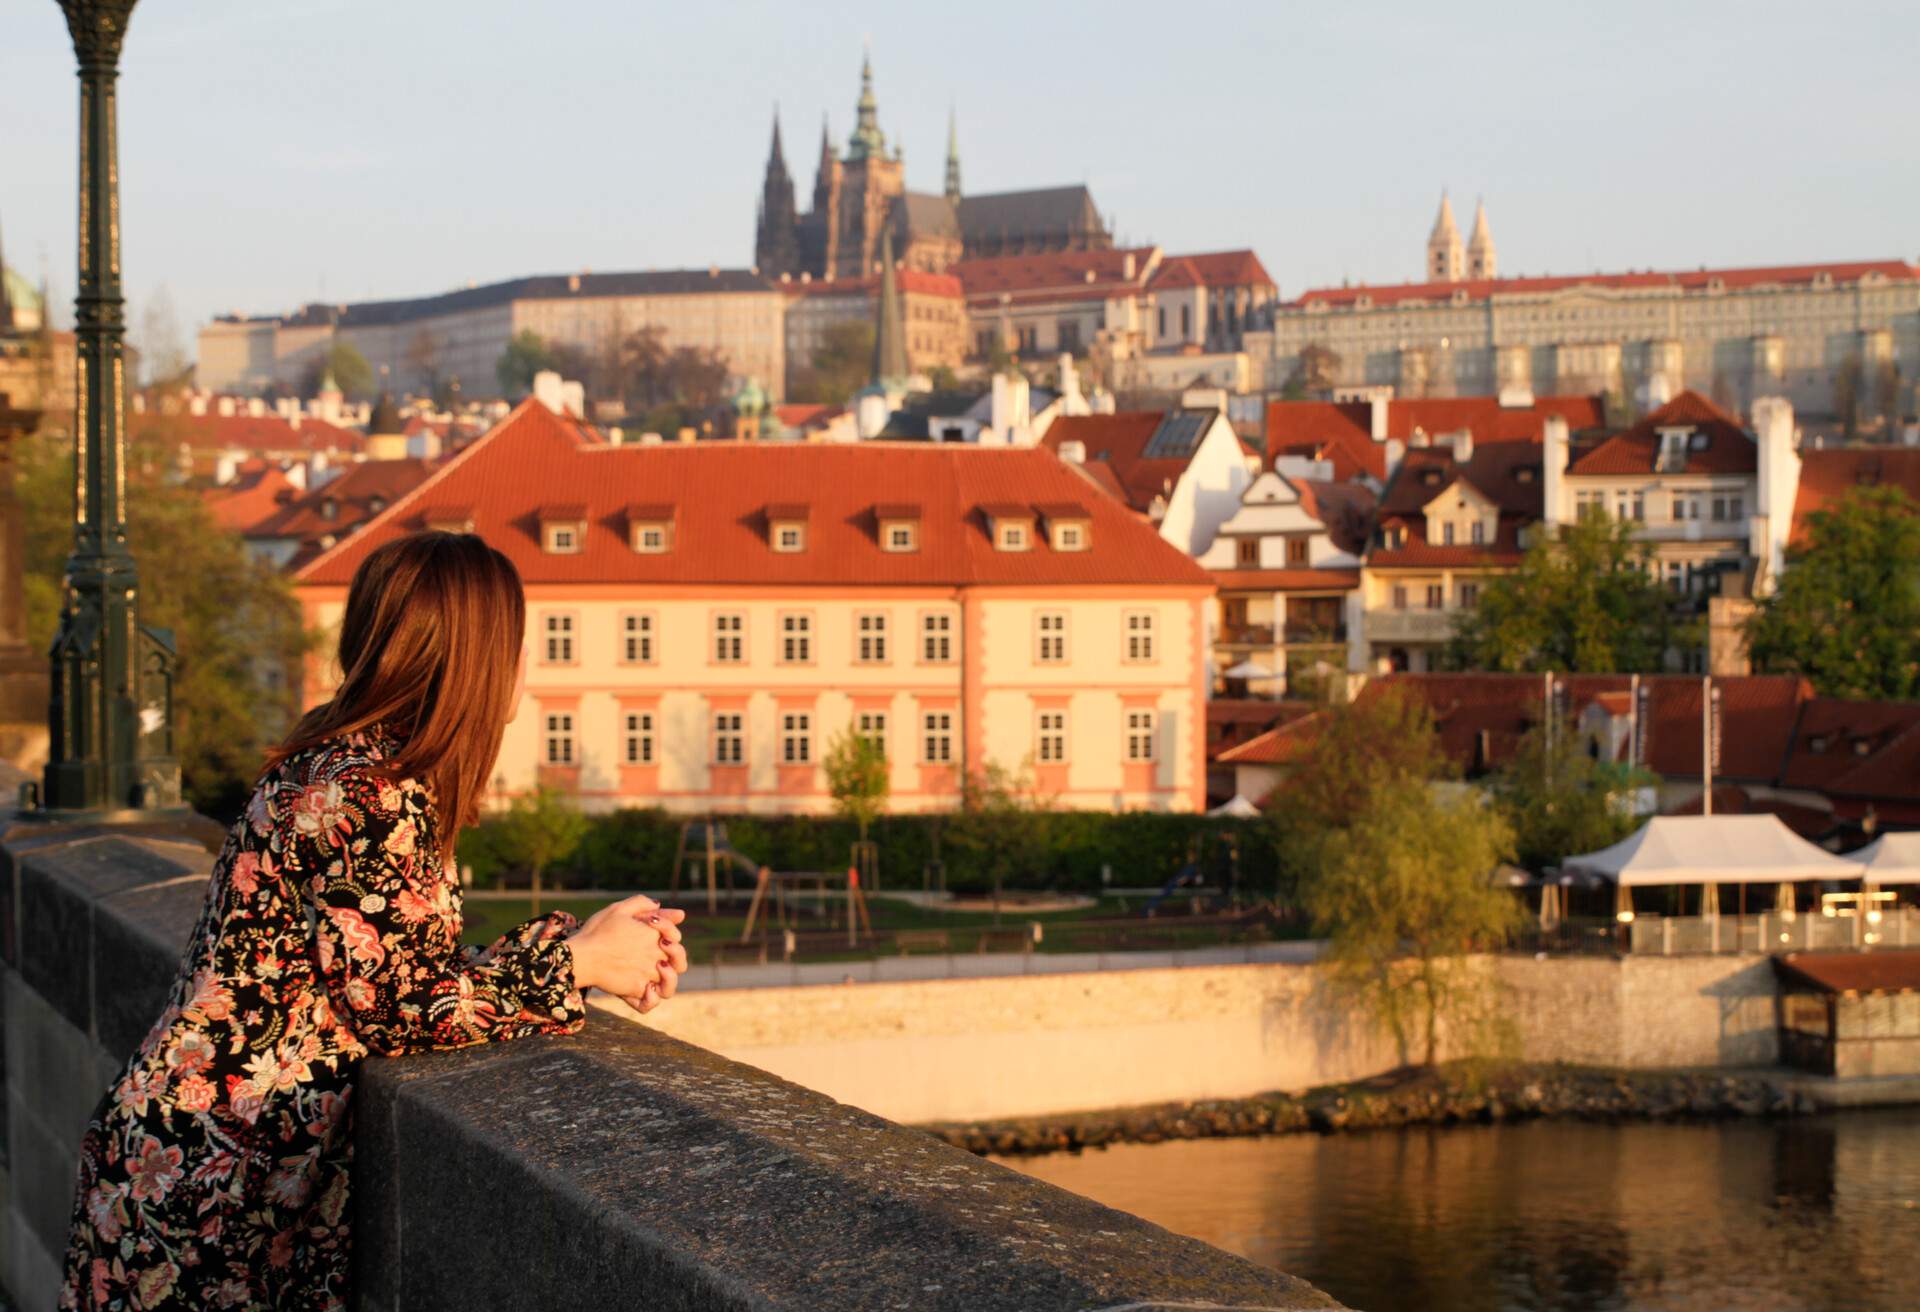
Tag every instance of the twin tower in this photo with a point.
(1448, 260)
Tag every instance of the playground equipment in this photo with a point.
(777, 886)
(705, 843)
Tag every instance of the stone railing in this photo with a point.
(617, 1167)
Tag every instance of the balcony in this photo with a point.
(1246, 635)
(1306, 633)
(1410, 625)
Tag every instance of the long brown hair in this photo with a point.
(429, 650)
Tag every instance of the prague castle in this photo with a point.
(858, 194)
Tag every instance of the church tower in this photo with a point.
(953, 158)
(776, 241)
(1481, 261)
(872, 179)
(1446, 258)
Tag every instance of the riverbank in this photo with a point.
(1457, 1093)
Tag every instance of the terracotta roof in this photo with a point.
(1729, 449)
(1343, 431)
(1508, 474)
(801, 415)
(1120, 441)
(1285, 580)
(1213, 269)
(257, 434)
(720, 488)
(1827, 475)
(1281, 745)
(1691, 280)
(260, 490)
(1867, 749)
(1053, 271)
(359, 493)
(1880, 971)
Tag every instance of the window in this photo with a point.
(1436, 596)
(640, 738)
(1399, 596)
(729, 737)
(870, 631)
(1469, 595)
(790, 537)
(563, 539)
(559, 639)
(650, 539)
(1070, 537)
(1050, 633)
(796, 638)
(1139, 635)
(1029, 339)
(729, 638)
(636, 639)
(560, 739)
(1683, 508)
(1011, 537)
(1139, 735)
(899, 537)
(1160, 327)
(872, 725)
(1051, 738)
(1186, 321)
(1446, 534)
(937, 737)
(796, 738)
(936, 638)
(1296, 551)
(1736, 507)
(1246, 553)
(1478, 535)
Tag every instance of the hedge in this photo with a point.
(634, 848)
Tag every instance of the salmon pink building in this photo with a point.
(704, 618)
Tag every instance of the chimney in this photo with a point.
(1073, 451)
(197, 404)
(1396, 452)
(573, 395)
(546, 390)
(227, 465)
(1553, 464)
(1778, 485)
(1463, 446)
(256, 407)
(1126, 266)
(1377, 417)
(297, 475)
(225, 405)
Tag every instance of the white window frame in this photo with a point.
(650, 539)
(899, 536)
(564, 540)
(796, 738)
(936, 737)
(636, 637)
(1012, 535)
(789, 538)
(639, 738)
(870, 637)
(559, 631)
(1141, 637)
(1050, 736)
(560, 738)
(1070, 536)
(1142, 736)
(1050, 638)
(729, 637)
(729, 729)
(796, 637)
(936, 637)
(872, 725)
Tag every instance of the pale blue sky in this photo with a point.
(279, 151)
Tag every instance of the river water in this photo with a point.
(1811, 1214)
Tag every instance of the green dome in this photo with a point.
(751, 399)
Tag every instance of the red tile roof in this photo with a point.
(1212, 269)
(360, 492)
(1508, 474)
(1053, 271)
(260, 490)
(802, 415)
(1118, 440)
(1692, 280)
(1858, 749)
(1343, 431)
(1826, 476)
(1281, 745)
(1729, 448)
(257, 434)
(719, 490)
(1285, 580)
(1879, 971)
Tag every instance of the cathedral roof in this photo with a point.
(1046, 212)
(918, 214)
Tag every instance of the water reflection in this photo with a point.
(1814, 1214)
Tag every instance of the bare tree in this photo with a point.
(1846, 394)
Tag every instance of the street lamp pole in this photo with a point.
(110, 715)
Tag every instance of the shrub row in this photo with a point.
(634, 848)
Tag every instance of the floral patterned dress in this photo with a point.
(215, 1172)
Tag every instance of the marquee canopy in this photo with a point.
(1891, 859)
(1712, 849)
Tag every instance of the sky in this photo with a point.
(336, 150)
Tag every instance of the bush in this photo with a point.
(634, 848)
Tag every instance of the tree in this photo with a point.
(1404, 894)
(998, 824)
(1847, 611)
(351, 372)
(1317, 369)
(163, 359)
(857, 776)
(1846, 394)
(526, 355)
(236, 625)
(423, 360)
(1886, 394)
(540, 828)
(841, 365)
(1583, 600)
(1382, 741)
(1560, 799)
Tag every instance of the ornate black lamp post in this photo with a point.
(111, 711)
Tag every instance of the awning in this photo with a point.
(1236, 808)
(1891, 859)
(1250, 670)
(1712, 849)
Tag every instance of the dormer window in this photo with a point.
(1673, 449)
(1011, 537)
(450, 519)
(329, 508)
(650, 529)
(787, 528)
(901, 537)
(1069, 527)
(563, 530)
(1010, 526)
(898, 527)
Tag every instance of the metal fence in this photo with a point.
(1770, 931)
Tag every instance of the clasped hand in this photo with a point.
(631, 949)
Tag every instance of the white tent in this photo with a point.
(1891, 859)
(1712, 849)
(1236, 808)
(1250, 670)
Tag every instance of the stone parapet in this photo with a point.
(616, 1167)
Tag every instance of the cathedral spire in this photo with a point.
(867, 139)
(1481, 260)
(1446, 258)
(889, 337)
(776, 238)
(953, 157)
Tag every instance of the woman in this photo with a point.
(215, 1172)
